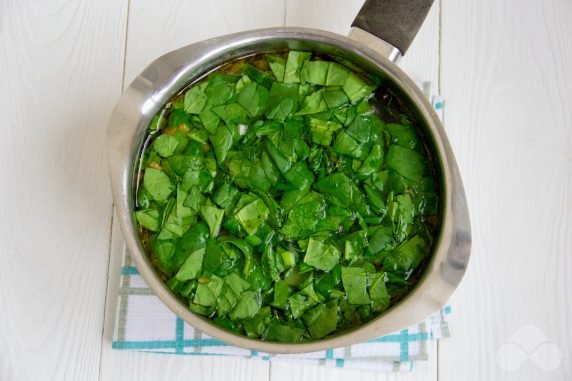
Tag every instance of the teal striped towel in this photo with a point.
(144, 323)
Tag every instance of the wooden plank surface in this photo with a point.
(60, 73)
(507, 79)
(505, 70)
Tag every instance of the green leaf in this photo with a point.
(214, 256)
(407, 256)
(334, 97)
(299, 304)
(213, 218)
(195, 98)
(281, 293)
(294, 65)
(248, 306)
(256, 326)
(195, 238)
(222, 142)
(225, 195)
(315, 72)
(356, 88)
(165, 145)
(322, 131)
(282, 162)
(192, 266)
(344, 190)
(372, 162)
(272, 264)
(346, 145)
(163, 251)
(232, 114)
(337, 75)
(405, 136)
(313, 104)
(321, 255)
(252, 215)
(407, 163)
(158, 184)
(381, 240)
(282, 101)
(218, 93)
(303, 218)
(253, 98)
(354, 245)
(194, 199)
(208, 291)
(380, 299)
(354, 280)
(259, 76)
(277, 65)
(199, 134)
(299, 175)
(148, 218)
(374, 200)
(322, 319)
(284, 334)
(234, 286)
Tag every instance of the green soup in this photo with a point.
(287, 197)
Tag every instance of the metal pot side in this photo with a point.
(166, 76)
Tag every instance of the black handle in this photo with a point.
(394, 21)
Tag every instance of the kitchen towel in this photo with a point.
(143, 323)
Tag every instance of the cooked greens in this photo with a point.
(276, 199)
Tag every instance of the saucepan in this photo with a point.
(381, 33)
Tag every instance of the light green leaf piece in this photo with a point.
(322, 131)
(213, 217)
(321, 256)
(222, 142)
(407, 162)
(247, 306)
(158, 184)
(253, 98)
(277, 65)
(148, 218)
(165, 145)
(313, 104)
(294, 65)
(354, 280)
(252, 215)
(192, 267)
(195, 99)
(315, 72)
(322, 319)
(356, 88)
(407, 256)
(208, 292)
(380, 299)
(337, 75)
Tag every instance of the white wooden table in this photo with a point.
(504, 68)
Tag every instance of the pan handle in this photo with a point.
(395, 22)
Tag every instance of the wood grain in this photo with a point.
(507, 80)
(60, 74)
(157, 27)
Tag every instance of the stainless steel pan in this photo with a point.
(381, 33)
